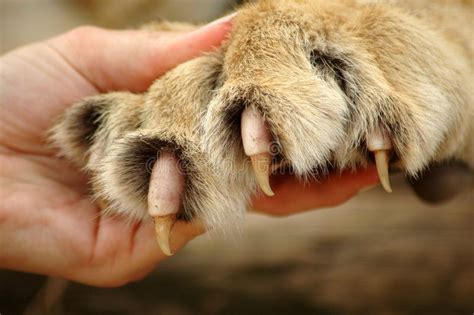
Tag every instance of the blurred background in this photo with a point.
(378, 254)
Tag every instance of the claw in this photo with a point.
(261, 166)
(256, 139)
(163, 228)
(165, 196)
(379, 143)
(381, 161)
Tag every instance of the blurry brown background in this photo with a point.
(378, 254)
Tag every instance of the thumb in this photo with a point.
(131, 60)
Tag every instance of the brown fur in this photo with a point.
(323, 74)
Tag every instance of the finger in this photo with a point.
(131, 60)
(292, 196)
(146, 253)
(126, 253)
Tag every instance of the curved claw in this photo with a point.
(165, 197)
(379, 143)
(261, 164)
(381, 161)
(163, 228)
(256, 139)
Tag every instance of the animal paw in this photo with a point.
(307, 85)
(144, 156)
(302, 85)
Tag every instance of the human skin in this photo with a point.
(48, 223)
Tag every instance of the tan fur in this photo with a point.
(323, 73)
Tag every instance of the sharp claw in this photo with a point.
(164, 197)
(256, 139)
(163, 227)
(381, 161)
(379, 143)
(261, 166)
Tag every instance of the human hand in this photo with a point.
(48, 224)
(293, 196)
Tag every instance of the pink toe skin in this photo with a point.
(379, 140)
(256, 137)
(166, 186)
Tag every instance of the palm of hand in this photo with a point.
(63, 221)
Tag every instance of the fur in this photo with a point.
(324, 74)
